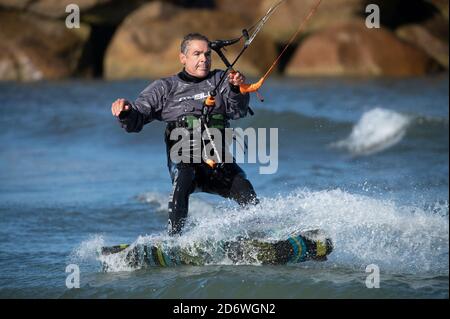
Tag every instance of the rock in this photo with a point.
(286, 20)
(35, 48)
(147, 44)
(441, 5)
(247, 9)
(15, 4)
(352, 49)
(423, 39)
(110, 13)
(50, 8)
(106, 12)
(8, 69)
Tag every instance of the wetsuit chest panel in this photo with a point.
(188, 98)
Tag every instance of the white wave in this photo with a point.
(88, 249)
(159, 202)
(376, 131)
(399, 239)
(155, 199)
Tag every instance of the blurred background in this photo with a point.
(121, 39)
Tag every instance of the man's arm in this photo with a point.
(146, 108)
(236, 103)
(130, 118)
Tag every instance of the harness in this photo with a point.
(205, 123)
(189, 122)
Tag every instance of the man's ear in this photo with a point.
(183, 58)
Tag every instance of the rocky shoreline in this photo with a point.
(140, 39)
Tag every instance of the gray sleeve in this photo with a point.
(146, 108)
(236, 104)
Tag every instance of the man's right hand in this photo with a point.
(119, 106)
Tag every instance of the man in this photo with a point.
(178, 100)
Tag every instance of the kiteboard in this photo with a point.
(304, 246)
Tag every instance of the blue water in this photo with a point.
(366, 160)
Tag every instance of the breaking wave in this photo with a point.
(376, 131)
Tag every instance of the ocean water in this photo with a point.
(365, 160)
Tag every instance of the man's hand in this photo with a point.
(236, 78)
(119, 106)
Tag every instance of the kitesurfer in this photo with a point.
(179, 100)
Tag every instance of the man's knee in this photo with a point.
(242, 191)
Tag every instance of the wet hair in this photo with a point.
(189, 37)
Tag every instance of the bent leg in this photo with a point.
(231, 182)
(183, 187)
(242, 191)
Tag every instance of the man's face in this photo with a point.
(197, 60)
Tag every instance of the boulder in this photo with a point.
(105, 12)
(147, 44)
(50, 8)
(35, 48)
(441, 5)
(248, 9)
(15, 4)
(286, 20)
(422, 38)
(352, 49)
(8, 67)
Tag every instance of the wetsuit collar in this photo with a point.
(189, 78)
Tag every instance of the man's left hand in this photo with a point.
(236, 78)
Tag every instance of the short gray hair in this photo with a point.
(189, 37)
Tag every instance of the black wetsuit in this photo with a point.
(172, 99)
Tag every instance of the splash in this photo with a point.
(364, 230)
(87, 250)
(399, 239)
(159, 202)
(376, 131)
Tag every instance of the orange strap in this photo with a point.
(210, 101)
(248, 88)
